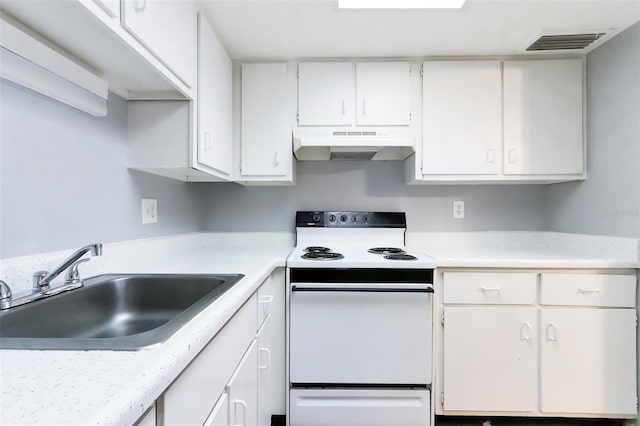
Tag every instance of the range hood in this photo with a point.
(310, 144)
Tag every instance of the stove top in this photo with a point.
(352, 239)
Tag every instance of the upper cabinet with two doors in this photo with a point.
(360, 94)
(496, 121)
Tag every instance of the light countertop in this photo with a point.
(117, 387)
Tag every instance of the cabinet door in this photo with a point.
(242, 389)
(588, 361)
(462, 117)
(220, 414)
(168, 29)
(265, 390)
(214, 100)
(266, 128)
(490, 359)
(111, 7)
(383, 94)
(325, 93)
(543, 117)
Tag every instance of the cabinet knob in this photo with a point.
(207, 141)
(268, 354)
(552, 333)
(525, 332)
(491, 158)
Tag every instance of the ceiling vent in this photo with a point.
(563, 42)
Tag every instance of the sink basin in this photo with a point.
(113, 312)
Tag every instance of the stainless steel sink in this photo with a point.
(113, 312)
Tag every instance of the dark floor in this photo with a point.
(515, 421)
(502, 421)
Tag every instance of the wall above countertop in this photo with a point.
(65, 182)
(373, 186)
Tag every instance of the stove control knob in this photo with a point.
(354, 218)
(315, 218)
(332, 218)
(343, 218)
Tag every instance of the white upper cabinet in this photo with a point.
(326, 93)
(168, 29)
(383, 94)
(462, 126)
(265, 123)
(543, 117)
(341, 94)
(498, 122)
(215, 84)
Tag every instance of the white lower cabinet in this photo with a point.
(490, 359)
(265, 373)
(243, 390)
(588, 361)
(359, 407)
(220, 414)
(563, 348)
(230, 382)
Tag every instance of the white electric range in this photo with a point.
(359, 322)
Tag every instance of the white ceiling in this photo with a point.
(317, 29)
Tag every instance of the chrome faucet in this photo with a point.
(42, 279)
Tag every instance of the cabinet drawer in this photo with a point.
(490, 288)
(190, 399)
(588, 290)
(265, 299)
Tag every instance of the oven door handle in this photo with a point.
(427, 288)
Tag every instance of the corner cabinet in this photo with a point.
(501, 121)
(168, 29)
(188, 140)
(266, 155)
(233, 381)
(215, 99)
(537, 344)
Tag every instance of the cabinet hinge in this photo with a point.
(442, 399)
(442, 319)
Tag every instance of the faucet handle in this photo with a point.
(37, 281)
(73, 275)
(5, 291)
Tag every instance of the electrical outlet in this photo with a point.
(149, 211)
(458, 209)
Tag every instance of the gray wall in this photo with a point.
(376, 185)
(608, 202)
(64, 180)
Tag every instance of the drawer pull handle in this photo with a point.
(244, 410)
(588, 290)
(525, 332)
(486, 289)
(552, 337)
(268, 353)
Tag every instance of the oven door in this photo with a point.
(355, 333)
